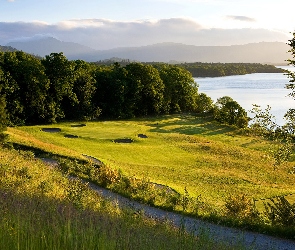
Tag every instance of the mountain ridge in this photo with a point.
(263, 52)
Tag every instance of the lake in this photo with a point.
(262, 89)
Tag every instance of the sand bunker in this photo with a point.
(142, 136)
(78, 125)
(71, 136)
(51, 130)
(125, 140)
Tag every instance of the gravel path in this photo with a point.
(233, 236)
(219, 233)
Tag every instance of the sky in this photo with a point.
(107, 24)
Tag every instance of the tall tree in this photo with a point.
(204, 103)
(181, 90)
(61, 97)
(290, 115)
(111, 87)
(84, 89)
(26, 88)
(3, 121)
(145, 89)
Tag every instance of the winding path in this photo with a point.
(250, 240)
(219, 233)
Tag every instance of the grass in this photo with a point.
(181, 151)
(40, 208)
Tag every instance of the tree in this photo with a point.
(181, 90)
(228, 111)
(3, 121)
(61, 97)
(84, 89)
(263, 122)
(145, 89)
(25, 89)
(290, 115)
(204, 103)
(110, 95)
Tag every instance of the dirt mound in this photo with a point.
(125, 140)
(142, 136)
(71, 136)
(51, 130)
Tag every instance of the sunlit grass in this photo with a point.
(181, 151)
(41, 209)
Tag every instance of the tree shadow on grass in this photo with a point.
(190, 125)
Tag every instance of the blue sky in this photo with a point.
(105, 24)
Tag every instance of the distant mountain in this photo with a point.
(264, 52)
(48, 45)
(7, 49)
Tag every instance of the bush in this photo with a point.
(107, 176)
(240, 206)
(280, 212)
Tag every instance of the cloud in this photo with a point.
(241, 18)
(104, 34)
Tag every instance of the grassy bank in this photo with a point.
(218, 172)
(180, 151)
(42, 209)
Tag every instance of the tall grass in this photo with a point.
(42, 209)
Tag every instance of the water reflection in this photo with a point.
(262, 89)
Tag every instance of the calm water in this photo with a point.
(262, 89)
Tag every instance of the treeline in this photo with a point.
(227, 69)
(50, 89)
(198, 69)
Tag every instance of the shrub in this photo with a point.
(240, 206)
(107, 176)
(280, 211)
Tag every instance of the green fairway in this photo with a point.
(181, 151)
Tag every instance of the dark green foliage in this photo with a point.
(228, 111)
(60, 97)
(112, 91)
(199, 69)
(3, 120)
(280, 212)
(54, 88)
(204, 103)
(290, 115)
(181, 91)
(84, 89)
(145, 89)
(25, 88)
(139, 90)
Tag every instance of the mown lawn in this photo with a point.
(181, 151)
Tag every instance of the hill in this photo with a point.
(45, 46)
(264, 52)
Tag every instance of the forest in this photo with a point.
(201, 69)
(46, 90)
(228, 69)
